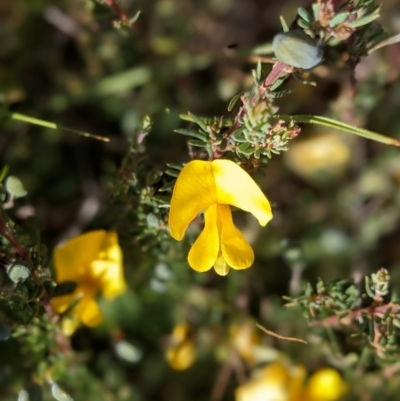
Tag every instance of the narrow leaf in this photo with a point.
(304, 14)
(233, 102)
(51, 125)
(191, 132)
(328, 122)
(284, 24)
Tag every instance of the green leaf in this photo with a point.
(175, 166)
(279, 94)
(123, 82)
(285, 26)
(135, 17)
(315, 7)
(18, 271)
(167, 187)
(258, 70)
(328, 122)
(200, 121)
(233, 101)
(338, 19)
(243, 147)
(191, 132)
(172, 172)
(3, 172)
(386, 42)
(15, 187)
(303, 24)
(364, 20)
(195, 142)
(304, 14)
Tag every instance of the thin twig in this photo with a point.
(271, 333)
(355, 314)
(222, 379)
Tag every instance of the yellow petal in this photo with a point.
(235, 249)
(326, 385)
(194, 191)
(235, 187)
(201, 184)
(182, 356)
(90, 313)
(62, 303)
(270, 384)
(69, 325)
(221, 267)
(205, 250)
(107, 267)
(72, 260)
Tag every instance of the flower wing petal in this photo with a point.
(235, 249)
(194, 191)
(205, 250)
(235, 187)
(72, 259)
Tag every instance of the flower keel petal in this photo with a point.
(204, 251)
(235, 249)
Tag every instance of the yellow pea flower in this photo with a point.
(244, 337)
(181, 353)
(274, 383)
(94, 262)
(319, 157)
(211, 186)
(278, 382)
(325, 385)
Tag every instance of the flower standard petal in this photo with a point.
(107, 268)
(235, 249)
(205, 250)
(194, 191)
(235, 187)
(72, 259)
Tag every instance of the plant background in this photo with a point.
(65, 62)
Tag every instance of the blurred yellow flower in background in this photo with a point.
(181, 352)
(94, 262)
(211, 187)
(319, 157)
(277, 382)
(244, 337)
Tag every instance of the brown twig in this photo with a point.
(372, 310)
(271, 333)
(222, 379)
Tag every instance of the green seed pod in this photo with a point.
(297, 49)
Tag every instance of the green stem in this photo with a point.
(48, 124)
(328, 122)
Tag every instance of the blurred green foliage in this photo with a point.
(77, 64)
